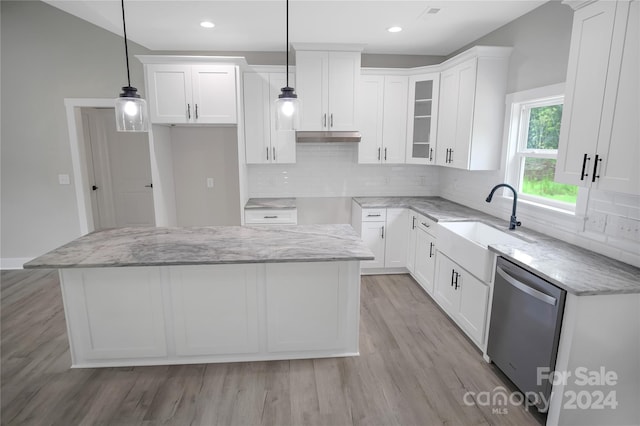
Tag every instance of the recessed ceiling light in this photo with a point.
(394, 29)
(207, 24)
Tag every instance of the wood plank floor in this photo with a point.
(414, 368)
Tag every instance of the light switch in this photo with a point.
(64, 179)
(209, 182)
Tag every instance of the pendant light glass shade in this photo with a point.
(287, 104)
(287, 110)
(131, 109)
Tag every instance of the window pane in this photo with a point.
(544, 127)
(537, 180)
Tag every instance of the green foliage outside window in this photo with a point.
(544, 133)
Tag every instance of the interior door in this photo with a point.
(122, 168)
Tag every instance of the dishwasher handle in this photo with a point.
(526, 289)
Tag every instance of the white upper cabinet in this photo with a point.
(264, 144)
(471, 109)
(599, 136)
(197, 94)
(423, 118)
(382, 112)
(327, 84)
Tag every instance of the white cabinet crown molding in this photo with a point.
(477, 51)
(269, 68)
(577, 4)
(240, 61)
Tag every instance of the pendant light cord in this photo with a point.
(126, 48)
(287, 47)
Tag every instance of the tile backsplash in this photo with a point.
(332, 170)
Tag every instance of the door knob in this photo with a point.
(149, 186)
(93, 188)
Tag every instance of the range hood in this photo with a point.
(328, 137)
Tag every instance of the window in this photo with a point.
(533, 141)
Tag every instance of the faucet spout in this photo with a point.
(513, 222)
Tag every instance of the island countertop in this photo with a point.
(122, 247)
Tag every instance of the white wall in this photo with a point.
(540, 58)
(200, 153)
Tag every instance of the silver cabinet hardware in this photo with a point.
(274, 154)
(267, 153)
(189, 111)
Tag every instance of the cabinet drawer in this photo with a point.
(374, 215)
(426, 224)
(271, 217)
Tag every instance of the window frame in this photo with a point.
(518, 107)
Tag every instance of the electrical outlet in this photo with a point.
(209, 182)
(629, 229)
(64, 180)
(595, 221)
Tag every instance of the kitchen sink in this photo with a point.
(467, 244)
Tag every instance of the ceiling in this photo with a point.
(259, 25)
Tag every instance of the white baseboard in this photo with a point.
(13, 262)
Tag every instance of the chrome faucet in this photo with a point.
(513, 222)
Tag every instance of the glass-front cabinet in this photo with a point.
(422, 123)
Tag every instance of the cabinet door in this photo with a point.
(422, 122)
(395, 235)
(425, 260)
(214, 94)
(474, 297)
(447, 115)
(257, 127)
(373, 237)
(618, 144)
(343, 78)
(394, 129)
(411, 242)
(283, 142)
(370, 110)
(586, 75)
(445, 293)
(170, 96)
(312, 78)
(461, 150)
(214, 309)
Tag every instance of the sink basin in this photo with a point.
(467, 244)
(480, 233)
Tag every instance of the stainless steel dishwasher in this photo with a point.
(524, 331)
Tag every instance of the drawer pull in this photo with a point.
(373, 215)
(425, 225)
(270, 217)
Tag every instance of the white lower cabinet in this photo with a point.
(464, 297)
(425, 260)
(385, 232)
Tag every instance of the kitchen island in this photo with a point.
(154, 296)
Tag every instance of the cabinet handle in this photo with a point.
(431, 154)
(382, 235)
(331, 120)
(446, 157)
(584, 166)
(270, 217)
(373, 215)
(430, 250)
(455, 283)
(274, 153)
(196, 111)
(413, 223)
(453, 273)
(385, 154)
(451, 155)
(425, 225)
(595, 168)
(324, 120)
(267, 153)
(378, 153)
(189, 111)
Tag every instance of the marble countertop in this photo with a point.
(577, 270)
(207, 245)
(271, 203)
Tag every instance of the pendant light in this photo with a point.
(287, 104)
(131, 109)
